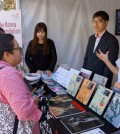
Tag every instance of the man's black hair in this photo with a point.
(101, 14)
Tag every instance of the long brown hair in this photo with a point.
(40, 26)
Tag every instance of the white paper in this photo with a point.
(94, 131)
(59, 75)
(118, 64)
(68, 77)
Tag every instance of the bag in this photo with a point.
(7, 121)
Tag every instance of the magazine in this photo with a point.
(94, 131)
(81, 122)
(55, 87)
(85, 91)
(115, 89)
(59, 75)
(100, 80)
(85, 73)
(65, 109)
(74, 84)
(100, 99)
(68, 77)
(112, 113)
(60, 99)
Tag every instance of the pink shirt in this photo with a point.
(13, 91)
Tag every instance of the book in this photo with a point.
(115, 89)
(55, 87)
(59, 99)
(85, 73)
(100, 80)
(74, 84)
(65, 109)
(116, 132)
(44, 76)
(59, 75)
(81, 122)
(112, 113)
(85, 91)
(94, 131)
(68, 77)
(100, 99)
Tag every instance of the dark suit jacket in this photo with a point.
(109, 43)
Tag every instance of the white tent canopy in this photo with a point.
(68, 22)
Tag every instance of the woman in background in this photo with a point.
(16, 101)
(41, 52)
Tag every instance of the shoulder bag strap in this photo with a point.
(15, 125)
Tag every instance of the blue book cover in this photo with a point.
(112, 113)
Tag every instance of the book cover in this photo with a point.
(65, 109)
(60, 99)
(74, 84)
(100, 99)
(68, 77)
(116, 132)
(59, 75)
(100, 80)
(85, 91)
(81, 122)
(112, 113)
(54, 86)
(115, 89)
(94, 131)
(85, 73)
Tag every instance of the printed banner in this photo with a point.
(10, 21)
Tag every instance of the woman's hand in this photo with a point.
(102, 56)
(39, 72)
(36, 98)
(48, 72)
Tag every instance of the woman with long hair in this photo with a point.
(41, 52)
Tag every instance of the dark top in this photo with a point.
(109, 43)
(40, 61)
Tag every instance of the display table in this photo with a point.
(54, 126)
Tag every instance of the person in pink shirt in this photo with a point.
(15, 98)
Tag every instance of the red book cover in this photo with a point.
(78, 106)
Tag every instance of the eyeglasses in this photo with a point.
(18, 48)
(99, 21)
(8, 49)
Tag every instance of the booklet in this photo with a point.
(59, 99)
(65, 109)
(112, 113)
(81, 122)
(68, 77)
(85, 73)
(59, 75)
(85, 91)
(94, 131)
(74, 84)
(100, 99)
(100, 80)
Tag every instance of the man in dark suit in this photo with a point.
(104, 41)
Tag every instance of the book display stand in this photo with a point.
(66, 114)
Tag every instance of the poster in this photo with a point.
(10, 21)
